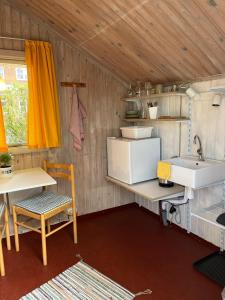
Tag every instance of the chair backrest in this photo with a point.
(63, 171)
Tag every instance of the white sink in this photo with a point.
(191, 172)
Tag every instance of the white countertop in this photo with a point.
(150, 189)
(25, 179)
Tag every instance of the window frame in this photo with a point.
(23, 73)
(17, 56)
(3, 77)
(13, 57)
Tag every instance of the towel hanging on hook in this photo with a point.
(78, 114)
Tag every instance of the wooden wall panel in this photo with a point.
(162, 40)
(101, 98)
(209, 123)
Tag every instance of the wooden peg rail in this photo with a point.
(71, 84)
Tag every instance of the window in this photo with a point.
(14, 102)
(21, 74)
(2, 72)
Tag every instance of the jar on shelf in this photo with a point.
(148, 87)
(131, 91)
(158, 88)
(138, 89)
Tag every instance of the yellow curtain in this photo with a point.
(43, 107)
(3, 145)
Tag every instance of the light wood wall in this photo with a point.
(163, 40)
(104, 109)
(101, 97)
(209, 123)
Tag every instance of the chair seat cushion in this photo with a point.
(43, 202)
(2, 206)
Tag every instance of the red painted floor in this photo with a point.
(128, 244)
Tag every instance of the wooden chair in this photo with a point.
(46, 205)
(4, 228)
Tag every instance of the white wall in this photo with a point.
(209, 123)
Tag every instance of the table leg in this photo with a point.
(16, 236)
(7, 231)
(6, 200)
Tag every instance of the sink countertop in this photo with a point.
(150, 189)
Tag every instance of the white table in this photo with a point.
(24, 180)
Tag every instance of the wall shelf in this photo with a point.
(153, 96)
(73, 84)
(172, 114)
(175, 119)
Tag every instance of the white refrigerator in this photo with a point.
(133, 161)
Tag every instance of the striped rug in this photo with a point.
(80, 282)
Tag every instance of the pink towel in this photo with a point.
(78, 113)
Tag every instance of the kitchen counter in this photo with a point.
(150, 190)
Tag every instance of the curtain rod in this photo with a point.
(11, 38)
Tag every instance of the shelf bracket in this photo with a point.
(72, 84)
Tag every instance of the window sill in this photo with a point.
(25, 149)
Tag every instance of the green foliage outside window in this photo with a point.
(14, 102)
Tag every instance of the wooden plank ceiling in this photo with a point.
(159, 40)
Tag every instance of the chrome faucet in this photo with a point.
(199, 151)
